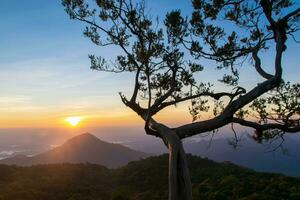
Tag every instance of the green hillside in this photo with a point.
(141, 180)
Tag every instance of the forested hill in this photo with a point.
(141, 180)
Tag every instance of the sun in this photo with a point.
(73, 121)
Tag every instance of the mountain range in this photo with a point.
(261, 157)
(73, 171)
(264, 157)
(88, 148)
(85, 148)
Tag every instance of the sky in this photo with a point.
(45, 75)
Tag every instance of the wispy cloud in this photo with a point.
(17, 99)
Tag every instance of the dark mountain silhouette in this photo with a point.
(85, 148)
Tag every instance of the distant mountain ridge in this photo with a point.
(85, 148)
(252, 155)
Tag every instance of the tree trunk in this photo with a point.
(180, 187)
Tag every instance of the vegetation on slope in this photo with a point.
(141, 180)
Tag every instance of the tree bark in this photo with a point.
(180, 187)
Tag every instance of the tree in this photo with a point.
(166, 57)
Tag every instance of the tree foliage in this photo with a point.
(166, 58)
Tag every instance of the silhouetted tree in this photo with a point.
(166, 56)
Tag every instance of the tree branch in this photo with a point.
(264, 127)
(291, 14)
(257, 65)
(216, 96)
(226, 116)
(136, 86)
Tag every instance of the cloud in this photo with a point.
(17, 99)
(17, 103)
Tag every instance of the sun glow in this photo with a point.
(73, 121)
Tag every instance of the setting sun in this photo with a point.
(73, 121)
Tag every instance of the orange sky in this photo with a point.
(89, 118)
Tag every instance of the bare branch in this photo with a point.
(257, 65)
(136, 86)
(268, 126)
(291, 14)
(215, 96)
